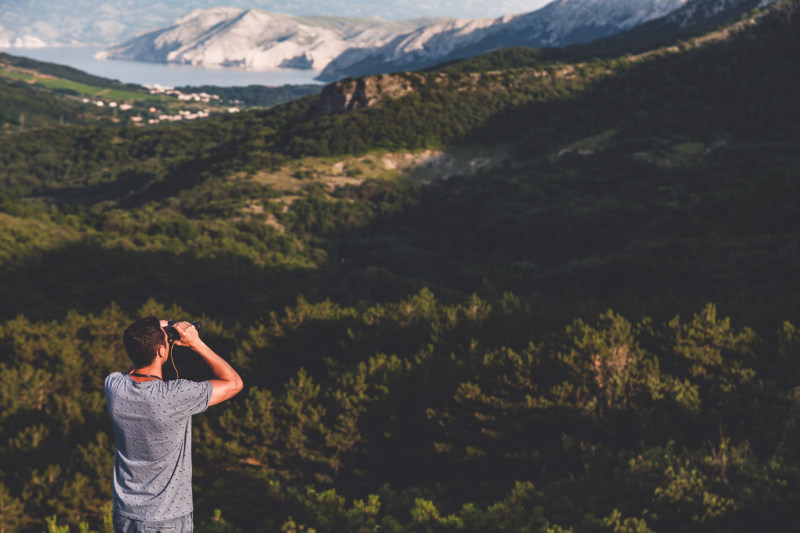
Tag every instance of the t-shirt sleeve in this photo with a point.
(111, 381)
(192, 396)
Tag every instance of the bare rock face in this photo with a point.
(343, 96)
(347, 95)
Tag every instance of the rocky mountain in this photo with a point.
(560, 23)
(257, 39)
(339, 47)
(35, 23)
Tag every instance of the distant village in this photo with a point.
(156, 115)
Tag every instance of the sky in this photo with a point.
(398, 9)
(23, 13)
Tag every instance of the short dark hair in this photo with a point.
(142, 339)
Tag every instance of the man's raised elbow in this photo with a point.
(225, 389)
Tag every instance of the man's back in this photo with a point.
(153, 463)
(153, 424)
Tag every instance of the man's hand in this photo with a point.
(189, 335)
(227, 382)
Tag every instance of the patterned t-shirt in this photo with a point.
(153, 427)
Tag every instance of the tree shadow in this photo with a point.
(86, 277)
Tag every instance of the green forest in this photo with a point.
(522, 292)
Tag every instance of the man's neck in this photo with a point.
(147, 373)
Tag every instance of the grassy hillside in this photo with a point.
(416, 293)
(36, 95)
(22, 105)
(66, 73)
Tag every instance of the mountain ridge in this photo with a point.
(558, 24)
(256, 39)
(692, 17)
(36, 23)
(270, 40)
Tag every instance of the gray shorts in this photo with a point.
(182, 524)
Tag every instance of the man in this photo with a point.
(152, 422)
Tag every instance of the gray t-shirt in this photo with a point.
(153, 426)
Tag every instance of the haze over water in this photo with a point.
(143, 73)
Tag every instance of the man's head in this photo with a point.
(143, 339)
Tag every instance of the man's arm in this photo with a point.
(227, 383)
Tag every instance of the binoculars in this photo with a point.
(173, 334)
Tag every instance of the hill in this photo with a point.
(65, 72)
(37, 94)
(28, 94)
(695, 18)
(413, 273)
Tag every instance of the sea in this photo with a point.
(144, 73)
